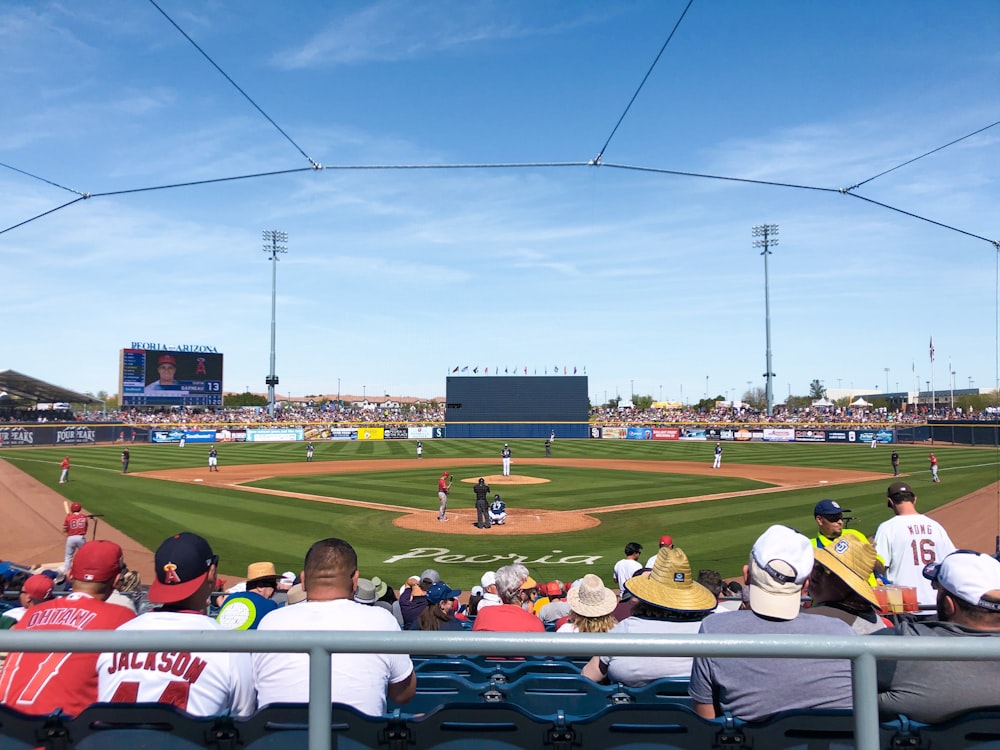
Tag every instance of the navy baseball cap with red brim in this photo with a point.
(182, 564)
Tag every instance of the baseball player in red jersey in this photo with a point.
(64, 473)
(39, 683)
(75, 527)
(444, 487)
(201, 683)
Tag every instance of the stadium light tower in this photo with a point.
(768, 240)
(274, 243)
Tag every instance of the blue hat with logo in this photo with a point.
(441, 591)
(829, 508)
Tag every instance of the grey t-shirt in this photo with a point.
(753, 689)
(933, 691)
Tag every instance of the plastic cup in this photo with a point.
(910, 603)
(895, 594)
(883, 599)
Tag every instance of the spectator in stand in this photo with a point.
(830, 522)
(475, 597)
(397, 610)
(202, 683)
(512, 583)
(712, 580)
(330, 578)
(838, 585)
(557, 606)
(413, 601)
(39, 683)
(244, 610)
(490, 595)
(628, 565)
(670, 602)
(35, 590)
(752, 689)
(665, 541)
(439, 614)
(910, 540)
(968, 606)
(590, 606)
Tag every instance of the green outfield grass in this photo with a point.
(244, 527)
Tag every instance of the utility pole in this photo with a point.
(769, 239)
(274, 243)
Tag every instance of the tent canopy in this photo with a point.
(38, 391)
(860, 401)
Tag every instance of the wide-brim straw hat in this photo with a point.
(591, 598)
(670, 586)
(852, 561)
(262, 572)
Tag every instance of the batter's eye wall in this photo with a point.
(556, 398)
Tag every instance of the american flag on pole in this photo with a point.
(932, 348)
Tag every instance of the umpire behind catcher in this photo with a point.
(482, 491)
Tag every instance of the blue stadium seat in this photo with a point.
(452, 665)
(489, 726)
(21, 732)
(976, 730)
(439, 689)
(285, 726)
(671, 690)
(150, 726)
(570, 694)
(634, 727)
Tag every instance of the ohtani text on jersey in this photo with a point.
(181, 665)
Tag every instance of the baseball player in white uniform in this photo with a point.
(213, 459)
(505, 455)
(909, 541)
(717, 461)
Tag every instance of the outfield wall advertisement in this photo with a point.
(742, 434)
(276, 435)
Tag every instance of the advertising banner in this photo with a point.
(200, 436)
(420, 433)
(666, 433)
(743, 434)
(720, 433)
(226, 435)
(839, 436)
(17, 436)
(693, 433)
(779, 434)
(371, 433)
(881, 436)
(639, 433)
(75, 435)
(275, 435)
(343, 433)
(594, 433)
(397, 433)
(810, 436)
(613, 433)
(166, 436)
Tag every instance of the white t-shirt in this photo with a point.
(908, 543)
(359, 680)
(636, 671)
(201, 683)
(625, 569)
(489, 600)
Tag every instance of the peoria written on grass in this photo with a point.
(444, 555)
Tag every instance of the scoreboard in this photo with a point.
(166, 377)
(517, 399)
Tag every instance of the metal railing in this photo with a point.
(862, 651)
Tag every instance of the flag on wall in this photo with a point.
(456, 369)
(465, 369)
(932, 348)
(475, 370)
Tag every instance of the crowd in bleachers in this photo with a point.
(792, 585)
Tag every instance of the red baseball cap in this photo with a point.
(98, 560)
(666, 541)
(182, 563)
(75, 507)
(38, 587)
(166, 359)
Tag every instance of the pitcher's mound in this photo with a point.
(519, 521)
(512, 479)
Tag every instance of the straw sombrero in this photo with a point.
(852, 561)
(591, 598)
(670, 585)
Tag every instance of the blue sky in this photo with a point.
(393, 277)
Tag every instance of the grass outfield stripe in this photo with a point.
(245, 527)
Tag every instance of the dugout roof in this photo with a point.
(32, 389)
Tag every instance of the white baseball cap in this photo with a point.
(780, 562)
(489, 579)
(969, 575)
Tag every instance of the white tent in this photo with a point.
(860, 401)
(822, 402)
